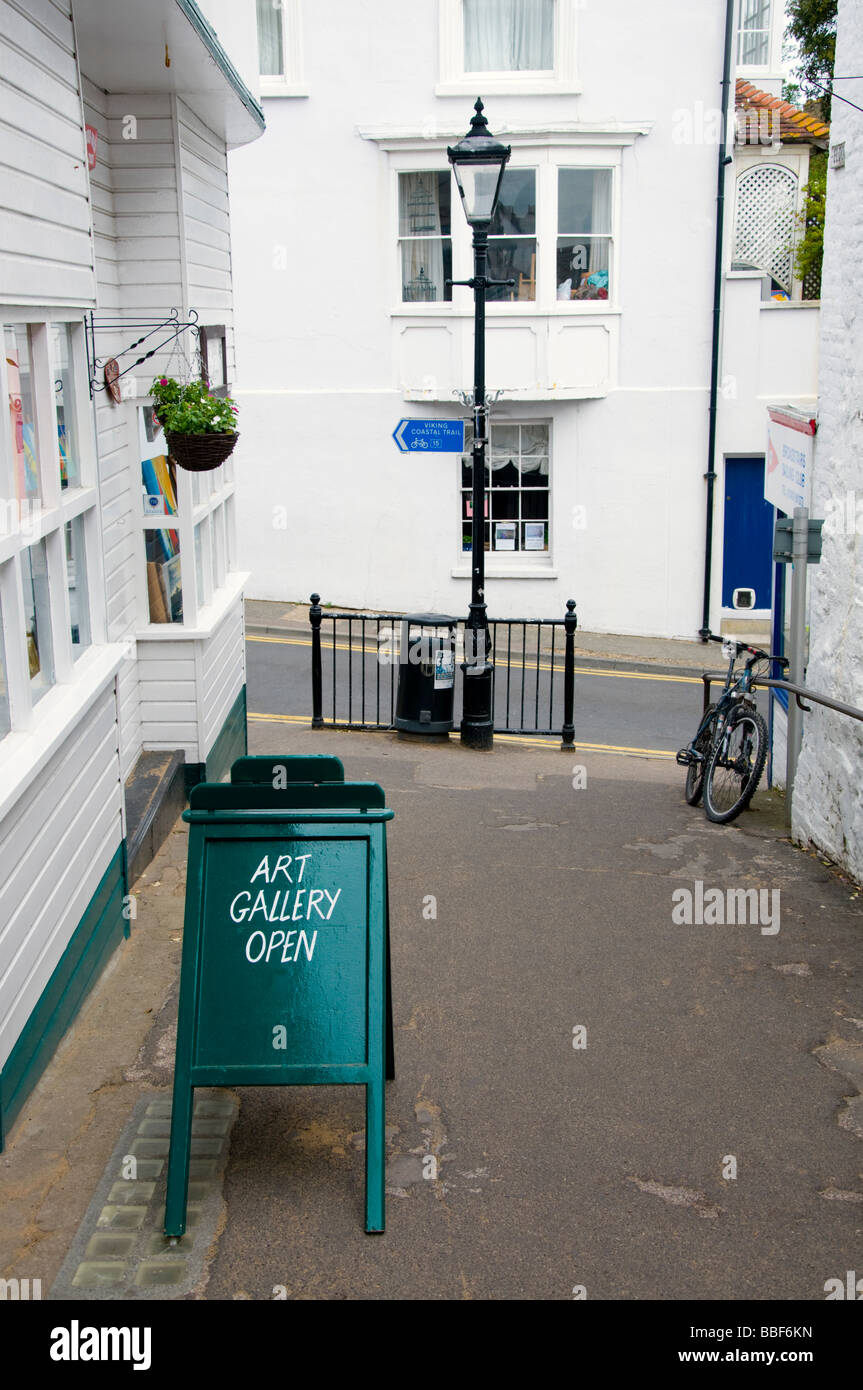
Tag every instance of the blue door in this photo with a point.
(747, 553)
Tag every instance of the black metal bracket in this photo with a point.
(483, 282)
(173, 325)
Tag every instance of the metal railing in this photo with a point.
(355, 663)
(800, 693)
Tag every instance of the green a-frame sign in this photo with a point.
(285, 971)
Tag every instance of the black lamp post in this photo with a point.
(479, 161)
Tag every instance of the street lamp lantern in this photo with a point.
(478, 162)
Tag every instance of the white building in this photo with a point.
(120, 601)
(828, 796)
(346, 229)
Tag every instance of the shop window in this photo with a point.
(49, 507)
(183, 520)
(517, 489)
(76, 582)
(64, 404)
(5, 720)
(22, 416)
(37, 618)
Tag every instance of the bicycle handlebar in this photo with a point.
(756, 653)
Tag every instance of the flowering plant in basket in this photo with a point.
(201, 429)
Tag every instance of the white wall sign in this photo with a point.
(788, 467)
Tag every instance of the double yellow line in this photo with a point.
(535, 741)
(531, 664)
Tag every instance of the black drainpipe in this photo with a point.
(724, 160)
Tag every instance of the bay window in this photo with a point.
(552, 235)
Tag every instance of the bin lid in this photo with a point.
(430, 619)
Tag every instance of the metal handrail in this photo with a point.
(800, 692)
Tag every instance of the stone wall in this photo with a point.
(828, 801)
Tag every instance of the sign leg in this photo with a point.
(375, 1138)
(178, 1158)
(390, 1043)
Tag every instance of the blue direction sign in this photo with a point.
(436, 436)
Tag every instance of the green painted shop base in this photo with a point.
(97, 935)
(99, 932)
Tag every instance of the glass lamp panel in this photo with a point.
(477, 184)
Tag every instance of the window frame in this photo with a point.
(291, 83)
(200, 497)
(774, 36)
(454, 80)
(46, 521)
(547, 159)
(507, 563)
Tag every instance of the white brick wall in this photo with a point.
(828, 801)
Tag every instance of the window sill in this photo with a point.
(499, 571)
(521, 308)
(24, 753)
(283, 89)
(505, 84)
(209, 615)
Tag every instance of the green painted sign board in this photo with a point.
(285, 961)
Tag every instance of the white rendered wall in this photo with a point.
(828, 796)
(326, 502)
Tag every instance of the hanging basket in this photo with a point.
(198, 453)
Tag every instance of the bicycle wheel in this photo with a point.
(735, 767)
(695, 771)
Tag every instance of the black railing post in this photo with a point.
(315, 616)
(570, 623)
(705, 702)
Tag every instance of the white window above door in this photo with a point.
(507, 46)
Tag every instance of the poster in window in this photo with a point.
(534, 535)
(504, 535)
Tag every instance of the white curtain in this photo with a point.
(508, 35)
(601, 219)
(270, 46)
(422, 259)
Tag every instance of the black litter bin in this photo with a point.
(426, 673)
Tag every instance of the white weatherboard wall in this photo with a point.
(321, 379)
(828, 794)
(56, 846)
(47, 255)
(162, 228)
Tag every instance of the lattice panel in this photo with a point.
(766, 207)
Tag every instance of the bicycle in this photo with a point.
(726, 758)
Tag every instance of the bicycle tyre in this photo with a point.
(746, 738)
(695, 771)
